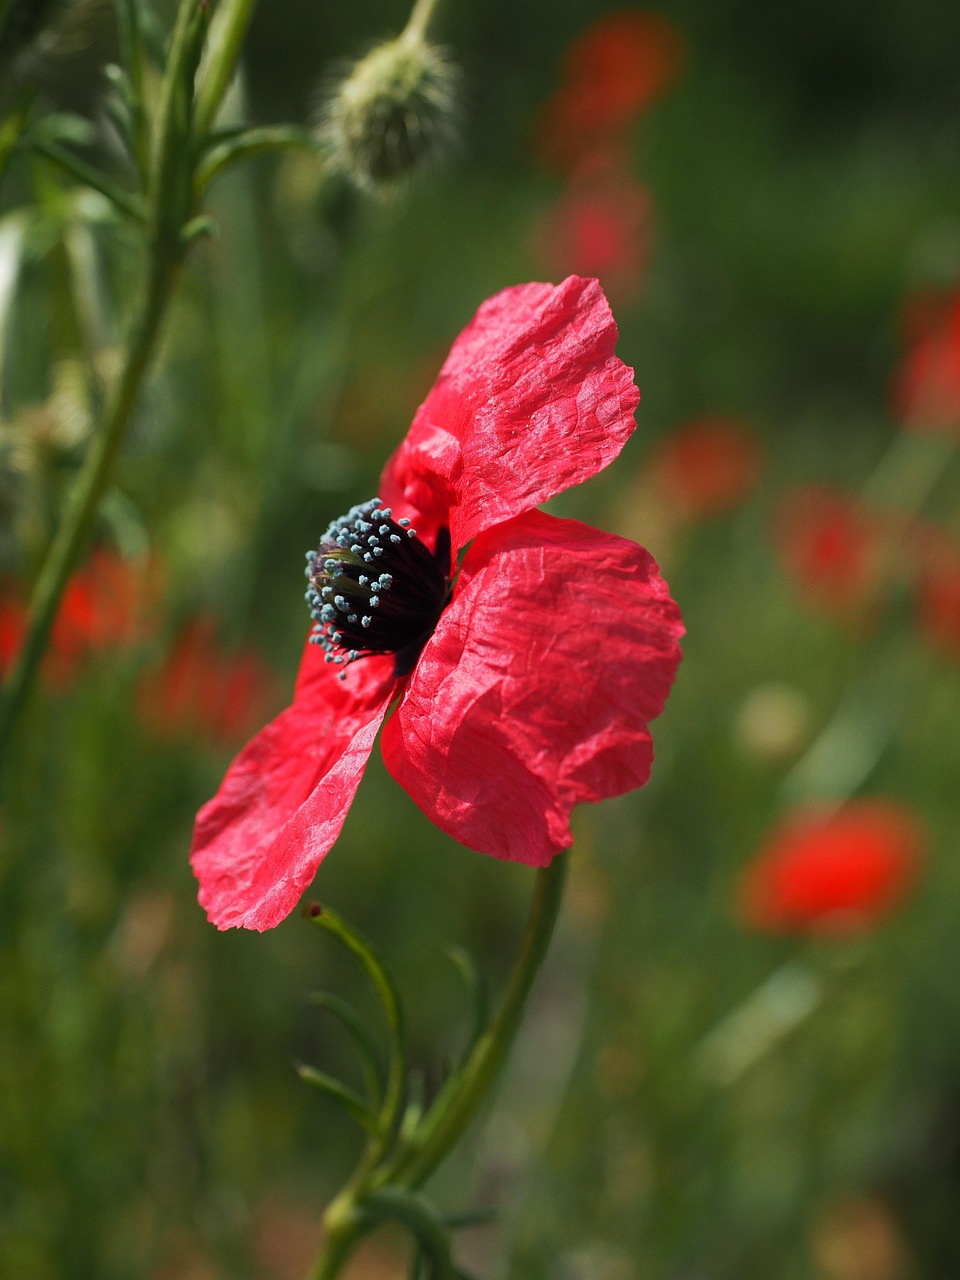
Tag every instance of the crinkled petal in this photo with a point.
(536, 689)
(259, 841)
(531, 400)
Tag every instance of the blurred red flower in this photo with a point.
(832, 547)
(205, 692)
(833, 870)
(524, 680)
(926, 389)
(109, 604)
(613, 71)
(706, 467)
(938, 591)
(600, 227)
(13, 618)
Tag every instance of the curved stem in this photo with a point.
(363, 1202)
(464, 1093)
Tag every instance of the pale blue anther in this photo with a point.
(374, 601)
(363, 580)
(341, 603)
(404, 523)
(366, 621)
(395, 537)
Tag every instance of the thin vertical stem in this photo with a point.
(421, 15)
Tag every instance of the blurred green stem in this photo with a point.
(420, 18)
(227, 33)
(168, 209)
(389, 1191)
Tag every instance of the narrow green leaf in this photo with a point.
(363, 1039)
(252, 142)
(124, 201)
(389, 996)
(420, 1217)
(342, 1094)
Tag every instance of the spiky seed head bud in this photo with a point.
(393, 112)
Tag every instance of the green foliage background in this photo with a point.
(805, 181)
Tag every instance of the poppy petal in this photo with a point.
(259, 841)
(535, 691)
(531, 400)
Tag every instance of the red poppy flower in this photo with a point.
(600, 226)
(927, 386)
(202, 690)
(613, 71)
(832, 547)
(524, 680)
(707, 467)
(833, 870)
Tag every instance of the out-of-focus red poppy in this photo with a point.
(833, 870)
(599, 228)
(938, 591)
(706, 467)
(833, 548)
(205, 692)
(108, 604)
(926, 389)
(13, 618)
(613, 71)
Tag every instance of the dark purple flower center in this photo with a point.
(375, 587)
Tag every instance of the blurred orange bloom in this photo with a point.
(205, 692)
(926, 390)
(832, 547)
(832, 870)
(599, 228)
(706, 467)
(613, 71)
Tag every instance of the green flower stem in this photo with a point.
(464, 1093)
(227, 33)
(421, 16)
(169, 207)
(386, 990)
(375, 1194)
